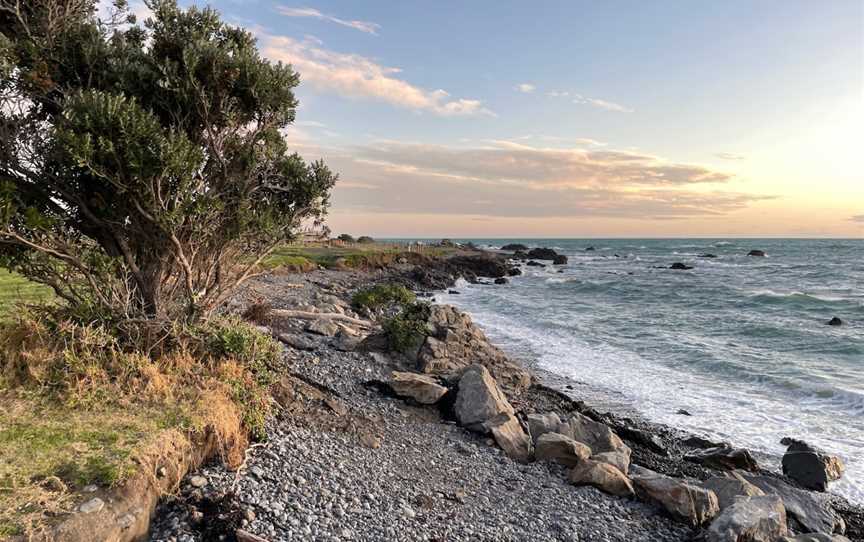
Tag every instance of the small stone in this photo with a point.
(92, 488)
(370, 441)
(161, 472)
(198, 481)
(93, 505)
(257, 472)
(408, 512)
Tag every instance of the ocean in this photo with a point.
(739, 342)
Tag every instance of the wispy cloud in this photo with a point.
(857, 218)
(729, 156)
(509, 179)
(527, 88)
(362, 26)
(356, 76)
(602, 104)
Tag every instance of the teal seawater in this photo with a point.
(740, 342)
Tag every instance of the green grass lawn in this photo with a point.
(326, 256)
(16, 289)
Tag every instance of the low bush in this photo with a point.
(406, 331)
(377, 297)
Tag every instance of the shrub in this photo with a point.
(406, 330)
(365, 239)
(345, 238)
(382, 295)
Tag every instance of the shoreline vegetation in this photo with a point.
(364, 307)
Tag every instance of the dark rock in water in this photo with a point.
(560, 259)
(679, 265)
(454, 292)
(542, 254)
(834, 322)
(482, 265)
(643, 438)
(760, 253)
(808, 509)
(699, 442)
(514, 272)
(683, 412)
(725, 458)
(514, 246)
(810, 467)
(590, 249)
(501, 280)
(707, 255)
(532, 263)
(520, 255)
(560, 271)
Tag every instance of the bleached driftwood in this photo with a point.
(307, 315)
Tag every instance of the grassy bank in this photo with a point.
(302, 257)
(15, 289)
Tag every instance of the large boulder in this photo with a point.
(729, 488)
(422, 388)
(479, 265)
(480, 404)
(683, 501)
(603, 476)
(724, 458)
(512, 439)
(482, 407)
(620, 459)
(514, 247)
(810, 510)
(540, 424)
(542, 254)
(453, 342)
(597, 435)
(756, 252)
(810, 467)
(750, 519)
(560, 449)
(323, 327)
(560, 259)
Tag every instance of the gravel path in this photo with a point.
(383, 470)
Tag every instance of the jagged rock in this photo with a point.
(750, 519)
(480, 404)
(560, 259)
(728, 488)
(815, 537)
(540, 424)
(813, 513)
(453, 343)
(603, 476)
(561, 449)
(724, 458)
(695, 441)
(834, 322)
(684, 501)
(759, 253)
(598, 436)
(810, 467)
(501, 280)
(297, 342)
(620, 459)
(322, 327)
(512, 439)
(542, 253)
(422, 388)
(532, 263)
(480, 265)
(514, 272)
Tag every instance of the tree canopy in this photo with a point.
(143, 170)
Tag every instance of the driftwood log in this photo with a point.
(307, 315)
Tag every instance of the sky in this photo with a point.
(577, 119)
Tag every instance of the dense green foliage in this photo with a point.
(382, 295)
(142, 167)
(406, 330)
(347, 238)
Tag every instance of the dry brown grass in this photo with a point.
(79, 405)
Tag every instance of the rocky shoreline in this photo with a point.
(455, 441)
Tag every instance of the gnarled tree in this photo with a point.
(143, 170)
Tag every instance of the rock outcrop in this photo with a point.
(453, 343)
(680, 266)
(603, 476)
(810, 467)
(540, 424)
(683, 501)
(750, 519)
(758, 253)
(542, 253)
(805, 507)
(422, 388)
(560, 449)
(514, 247)
(729, 488)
